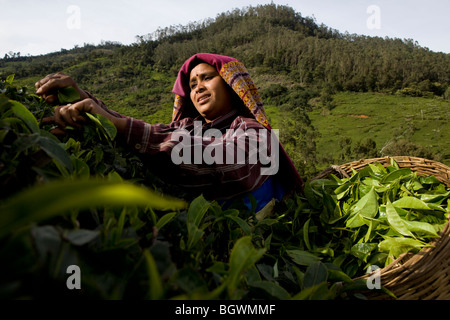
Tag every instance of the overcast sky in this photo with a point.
(39, 27)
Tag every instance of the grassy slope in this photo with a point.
(387, 116)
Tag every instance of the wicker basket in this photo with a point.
(426, 274)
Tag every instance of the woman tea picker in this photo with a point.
(219, 142)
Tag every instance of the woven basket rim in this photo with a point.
(423, 275)
(417, 164)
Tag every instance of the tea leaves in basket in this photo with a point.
(384, 212)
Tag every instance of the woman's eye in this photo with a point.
(193, 85)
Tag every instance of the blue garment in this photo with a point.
(271, 189)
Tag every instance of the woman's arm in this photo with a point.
(72, 114)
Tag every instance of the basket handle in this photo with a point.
(334, 169)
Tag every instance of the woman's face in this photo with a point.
(209, 92)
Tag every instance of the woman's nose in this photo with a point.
(200, 87)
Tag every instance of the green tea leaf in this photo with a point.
(395, 221)
(315, 274)
(436, 207)
(429, 180)
(244, 225)
(306, 234)
(243, 256)
(80, 168)
(104, 124)
(9, 79)
(363, 250)
(155, 286)
(25, 115)
(197, 209)
(434, 198)
(396, 246)
(371, 226)
(302, 258)
(366, 207)
(396, 174)
(421, 227)
(411, 203)
(310, 196)
(338, 275)
(55, 151)
(194, 235)
(330, 212)
(355, 221)
(377, 168)
(343, 190)
(165, 219)
(68, 95)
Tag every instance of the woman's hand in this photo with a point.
(48, 87)
(73, 115)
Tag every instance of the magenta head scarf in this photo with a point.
(237, 77)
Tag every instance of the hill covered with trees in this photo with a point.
(298, 64)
